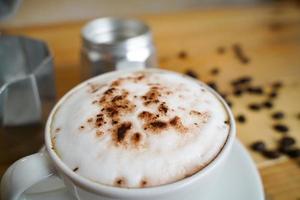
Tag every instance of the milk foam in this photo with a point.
(140, 130)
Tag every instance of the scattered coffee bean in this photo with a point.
(223, 95)
(192, 74)
(254, 106)
(213, 85)
(237, 92)
(284, 149)
(221, 50)
(258, 90)
(268, 104)
(294, 153)
(229, 103)
(287, 141)
(281, 128)
(277, 85)
(271, 154)
(240, 54)
(258, 146)
(182, 55)
(255, 90)
(276, 26)
(298, 115)
(241, 81)
(273, 95)
(278, 115)
(241, 118)
(215, 71)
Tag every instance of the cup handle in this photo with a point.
(24, 173)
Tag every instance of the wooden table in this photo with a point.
(270, 38)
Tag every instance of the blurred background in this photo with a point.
(247, 50)
(40, 12)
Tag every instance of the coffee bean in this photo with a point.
(287, 141)
(241, 118)
(213, 85)
(229, 103)
(268, 104)
(223, 95)
(273, 95)
(298, 115)
(278, 115)
(182, 55)
(192, 74)
(221, 50)
(240, 54)
(258, 90)
(258, 146)
(249, 89)
(241, 81)
(276, 26)
(271, 154)
(277, 85)
(294, 153)
(280, 128)
(284, 149)
(254, 106)
(214, 71)
(237, 92)
(255, 90)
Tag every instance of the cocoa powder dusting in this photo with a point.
(99, 120)
(99, 133)
(177, 124)
(117, 82)
(120, 182)
(57, 130)
(136, 138)
(140, 77)
(163, 108)
(147, 116)
(152, 96)
(116, 103)
(194, 112)
(143, 183)
(109, 91)
(81, 127)
(94, 87)
(204, 116)
(111, 111)
(122, 130)
(156, 126)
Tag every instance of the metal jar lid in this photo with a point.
(107, 34)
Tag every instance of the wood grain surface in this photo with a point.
(268, 35)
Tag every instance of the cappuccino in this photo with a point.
(142, 129)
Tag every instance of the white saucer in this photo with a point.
(241, 181)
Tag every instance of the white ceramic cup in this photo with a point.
(34, 168)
